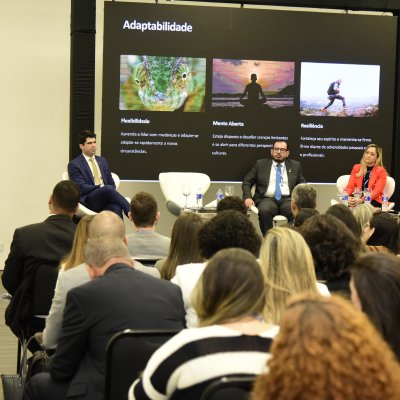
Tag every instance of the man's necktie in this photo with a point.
(96, 175)
(278, 193)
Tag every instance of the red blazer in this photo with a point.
(376, 184)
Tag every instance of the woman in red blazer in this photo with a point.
(371, 174)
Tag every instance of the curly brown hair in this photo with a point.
(326, 349)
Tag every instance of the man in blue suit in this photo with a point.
(93, 176)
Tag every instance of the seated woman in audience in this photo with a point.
(375, 289)
(363, 213)
(371, 174)
(78, 275)
(227, 229)
(288, 268)
(334, 249)
(231, 340)
(184, 247)
(382, 233)
(326, 349)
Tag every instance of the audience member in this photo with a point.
(288, 268)
(232, 203)
(76, 276)
(303, 196)
(34, 246)
(334, 249)
(93, 176)
(228, 228)
(145, 242)
(184, 247)
(375, 289)
(382, 233)
(344, 214)
(303, 215)
(232, 340)
(326, 349)
(363, 213)
(97, 310)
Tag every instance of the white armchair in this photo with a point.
(171, 184)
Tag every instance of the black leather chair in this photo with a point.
(127, 356)
(232, 388)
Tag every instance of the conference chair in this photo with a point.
(232, 388)
(83, 210)
(127, 355)
(172, 184)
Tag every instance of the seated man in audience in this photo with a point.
(112, 301)
(145, 242)
(105, 223)
(303, 196)
(41, 244)
(93, 176)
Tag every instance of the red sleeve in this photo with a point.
(380, 183)
(353, 179)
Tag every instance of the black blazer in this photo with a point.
(259, 175)
(122, 298)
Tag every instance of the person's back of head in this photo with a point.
(184, 247)
(304, 196)
(144, 210)
(288, 268)
(344, 214)
(65, 198)
(230, 287)
(75, 257)
(228, 228)
(375, 287)
(326, 349)
(363, 213)
(232, 203)
(100, 250)
(332, 244)
(385, 232)
(107, 223)
(303, 215)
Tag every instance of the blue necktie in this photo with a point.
(278, 193)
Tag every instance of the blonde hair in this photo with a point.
(230, 287)
(327, 349)
(363, 213)
(288, 268)
(75, 257)
(378, 162)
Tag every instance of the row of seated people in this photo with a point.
(226, 230)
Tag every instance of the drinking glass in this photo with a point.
(229, 190)
(357, 193)
(340, 191)
(186, 191)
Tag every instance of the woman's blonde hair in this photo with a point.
(230, 287)
(327, 349)
(378, 162)
(75, 257)
(363, 213)
(288, 268)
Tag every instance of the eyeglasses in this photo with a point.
(277, 149)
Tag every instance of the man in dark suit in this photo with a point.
(118, 297)
(39, 245)
(275, 180)
(93, 176)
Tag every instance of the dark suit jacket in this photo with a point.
(259, 175)
(31, 269)
(80, 172)
(32, 245)
(122, 298)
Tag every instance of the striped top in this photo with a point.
(184, 366)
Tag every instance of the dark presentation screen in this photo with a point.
(209, 89)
